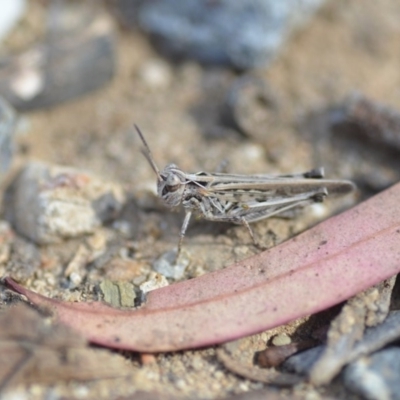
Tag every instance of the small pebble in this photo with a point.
(319, 210)
(197, 364)
(75, 279)
(218, 375)
(264, 337)
(148, 358)
(28, 83)
(123, 227)
(281, 340)
(155, 281)
(181, 384)
(81, 391)
(156, 74)
(241, 250)
(166, 265)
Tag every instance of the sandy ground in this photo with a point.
(350, 46)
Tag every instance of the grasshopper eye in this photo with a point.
(172, 183)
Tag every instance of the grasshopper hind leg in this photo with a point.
(256, 242)
(279, 212)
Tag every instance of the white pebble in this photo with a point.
(281, 340)
(156, 74)
(155, 281)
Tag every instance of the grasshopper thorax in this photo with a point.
(171, 185)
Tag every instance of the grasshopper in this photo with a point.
(239, 199)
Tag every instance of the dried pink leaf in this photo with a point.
(315, 270)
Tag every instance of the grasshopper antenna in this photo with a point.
(147, 153)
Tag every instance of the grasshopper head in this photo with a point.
(171, 180)
(171, 185)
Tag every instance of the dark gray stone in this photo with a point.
(245, 34)
(7, 128)
(375, 377)
(302, 362)
(80, 58)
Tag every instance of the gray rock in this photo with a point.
(302, 362)
(80, 58)
(11, 12)
(245, 34)
(51, 203)
(378, 336)
(375, 377)
(348, 330)
(8, 120)
(374, 338)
